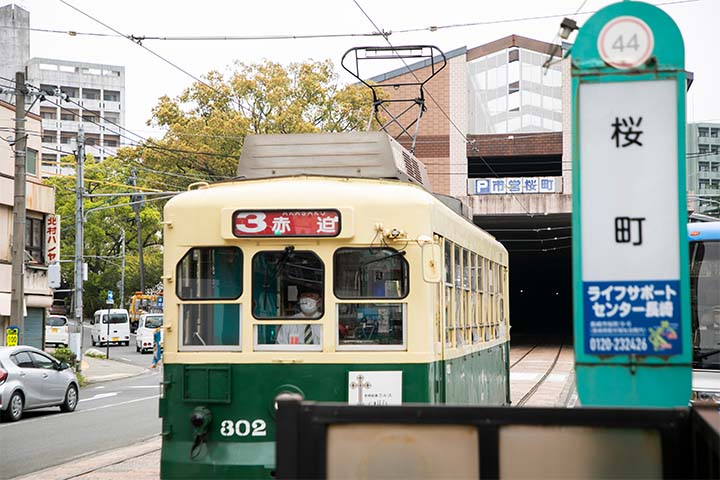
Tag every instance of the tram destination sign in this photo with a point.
(286, 223)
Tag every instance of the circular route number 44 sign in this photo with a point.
(625, 42)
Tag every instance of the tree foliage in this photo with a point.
(207, 123)
(106, 219)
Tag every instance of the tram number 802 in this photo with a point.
(243, 428)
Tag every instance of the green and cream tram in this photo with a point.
(329, 272)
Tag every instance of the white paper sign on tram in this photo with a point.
(375, 388)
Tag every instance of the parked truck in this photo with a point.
(144, 303)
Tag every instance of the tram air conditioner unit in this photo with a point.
(348, 154)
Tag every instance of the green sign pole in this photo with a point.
(630, 255)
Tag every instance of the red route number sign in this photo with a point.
(286, 223)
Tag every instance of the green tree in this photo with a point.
(106, 219)
(207, 123)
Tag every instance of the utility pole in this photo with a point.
(136, 208)
(122, 272)
(79, 233)
(17, 297)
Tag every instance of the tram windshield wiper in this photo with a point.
(282, 261)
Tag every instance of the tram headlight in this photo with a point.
(200, 420)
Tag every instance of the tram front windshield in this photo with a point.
(705, 303)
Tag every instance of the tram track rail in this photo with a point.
(523, 356)
(525, 398)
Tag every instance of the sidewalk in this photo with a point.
(139, 462)
(100, 370)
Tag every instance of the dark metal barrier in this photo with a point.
(327, 440)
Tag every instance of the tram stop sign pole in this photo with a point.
(630, 253)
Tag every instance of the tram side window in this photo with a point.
(474, 298)
(467, 309)
(210, 273)
(364, 324)
(288, 285)
(208, 326)
(458, 321)
(370, 273)
(449, 329)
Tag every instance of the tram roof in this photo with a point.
(345, 154)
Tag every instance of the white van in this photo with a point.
(119, 331)
(144, 336)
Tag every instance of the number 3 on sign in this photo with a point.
(625, 42)
(249, 222)
(243, 428)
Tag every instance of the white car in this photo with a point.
(56, 330)
(149, 322)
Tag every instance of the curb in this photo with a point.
(93, 461)
(91, 379)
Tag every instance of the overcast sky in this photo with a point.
(148, 77)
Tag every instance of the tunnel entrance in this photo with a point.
(540, 251)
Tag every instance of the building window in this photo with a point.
(703, 131)
(34, 238)
(704, 148)
(48, 88)
(90, 117)
(71, 91)
(68, 115)
(715, 149)
(91, 94)
(112, 117)
(514, 55)
(31, 161)
(111, 142)
(714, 132)
(111, 96)
(49, 136)
(48, 114)
(703, 166)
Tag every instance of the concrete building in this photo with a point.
(40, 204)
(96, 100)
(95, 92)
(703, 167)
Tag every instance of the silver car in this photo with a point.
(31, 378)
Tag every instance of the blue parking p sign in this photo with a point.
(109, 297)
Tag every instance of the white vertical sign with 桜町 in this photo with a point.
(631, 308)
(631, 258)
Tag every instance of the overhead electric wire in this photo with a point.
(291, 36)
(197, 79)
(465, 138)
(434, 28)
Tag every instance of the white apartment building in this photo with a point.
(703, 166)
(95, 100)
